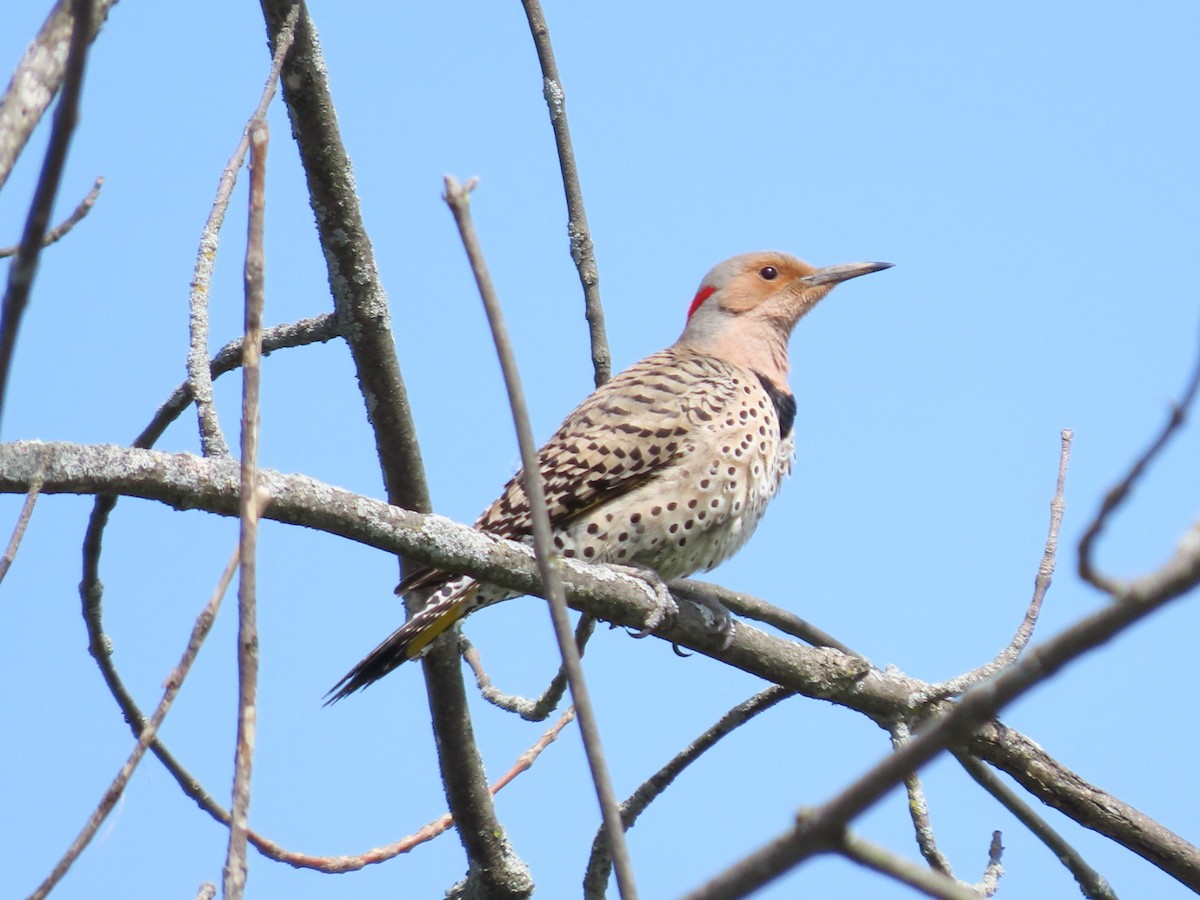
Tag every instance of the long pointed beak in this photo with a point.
(844, 272)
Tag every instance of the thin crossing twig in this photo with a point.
(174, 682)
(235, 861)
(595, 878)
(929, 882)
(458, 198)
(63, 228)
(14, 542)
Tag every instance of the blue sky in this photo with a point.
(1029, 169)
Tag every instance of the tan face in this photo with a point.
(761, 278)
(766, 288)
(747, 306)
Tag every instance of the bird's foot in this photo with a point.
(718, 620)
(665, 607)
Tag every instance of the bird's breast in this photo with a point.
(703, 507)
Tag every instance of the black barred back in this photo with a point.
(620, 438)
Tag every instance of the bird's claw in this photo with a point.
(665, 607)
(719, 621)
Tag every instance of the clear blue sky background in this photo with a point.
(1029, 168)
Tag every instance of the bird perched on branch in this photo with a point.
(670, 465)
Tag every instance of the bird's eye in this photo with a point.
(768, 273)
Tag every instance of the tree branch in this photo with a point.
(812, 832)
(751, 607)
(529, 710)
(582, 251)
(212, 442)
(362, 309)
(23, 268)
(918, 809)
(185, 481)
(38, 77)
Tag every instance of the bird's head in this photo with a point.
(748, 305)
(767, 286)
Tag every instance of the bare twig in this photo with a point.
(880, 859)
(316, 329)
(443, 823)
(582, 251)
(525, 760)
(1093, 885)
(235, 860)
(337, 864)
(990, 883)
(173, 684)
(14, 542)
(59, 231)
(599, 866)
(1041, 585)
(1120, 492)
(439, 826)
(212, 441)
(207, 891)
(38, 77)
(760, 610)
(458, 198)
(529, 710)
(188, 482)
(918, 809)
(23, 268)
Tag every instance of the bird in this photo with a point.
(666, 467)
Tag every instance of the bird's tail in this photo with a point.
(441, 612)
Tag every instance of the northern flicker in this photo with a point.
(670, 465)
